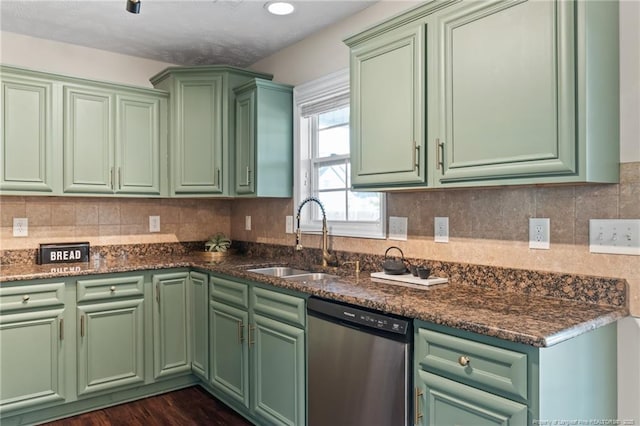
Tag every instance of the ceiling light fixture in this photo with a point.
(279, 8)
(133, 6)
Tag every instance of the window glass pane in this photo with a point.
(332, 177)
(333, 132)
(364, 206)
(333, 141)
(333, 118)
(334, 204)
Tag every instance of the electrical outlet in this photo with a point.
(288, 224)
(20, 227)
(539, 233)
(441, 229)
(247, 223)
(398, 228)
(614, 236)
(154, 223)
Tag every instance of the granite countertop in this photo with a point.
(530, 319)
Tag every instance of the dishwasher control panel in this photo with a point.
(356, 315)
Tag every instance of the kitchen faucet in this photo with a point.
(326, 256)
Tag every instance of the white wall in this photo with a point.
(77, 61)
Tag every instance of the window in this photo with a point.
(323, 166)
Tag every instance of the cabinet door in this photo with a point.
(197, 151)
(506, 88)
(31, 359)
(199, 325)
(245, 140)
(110, 345)
(170, 324)
(138, 124)
(446, 402)
(278, 374)
(27, 136)
(88, 141)
(229, 357)
(387, 109)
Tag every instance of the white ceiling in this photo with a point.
(182, 32)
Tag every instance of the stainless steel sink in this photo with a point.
(311, 276)
(278, 271)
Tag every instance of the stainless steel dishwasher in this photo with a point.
(359, 364)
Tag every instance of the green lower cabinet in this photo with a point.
(462, 378)
(170, 324)
(451, 403)
(278, 375)
(31, 359)
(229, 352)
(110, 345)
(257, 351)
(198, 308)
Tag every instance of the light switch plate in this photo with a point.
(441, 229)
(398, 228)
(614, 236)
(539, 233)
(247, 223)
(288, 225)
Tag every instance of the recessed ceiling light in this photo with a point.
(279, 7)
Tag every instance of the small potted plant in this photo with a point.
(216, 246)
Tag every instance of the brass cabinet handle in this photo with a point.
(418, 414)
(464, 360)
(26, 298)
(248, 176)
(251, 340)
(111, 178)
(61, 325)
(158, 293)
(218, 183)
(416, 156)
(82, 326)
(240, 333)
(440, 155)
(119, 178)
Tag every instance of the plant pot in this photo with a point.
(212, 255)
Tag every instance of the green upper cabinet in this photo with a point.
(518, 92)
(264, 139)
(30, 140)
(388, 107)
(113, 141)
(202, 130)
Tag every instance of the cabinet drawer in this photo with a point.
(31, 296)
(110, 288)
(490, 367)
(233, 292)
(279, 306)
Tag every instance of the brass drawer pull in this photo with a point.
(26, 298)
(240, 332)
(61, 329)
(82, 326)
(464, 360)
(251, 341)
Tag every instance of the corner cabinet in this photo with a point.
(202, 131)
(520, 92)
(468, 379)
(264, 139)
(257, 349)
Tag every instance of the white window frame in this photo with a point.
(331, 89)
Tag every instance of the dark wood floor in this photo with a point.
(190, 406)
